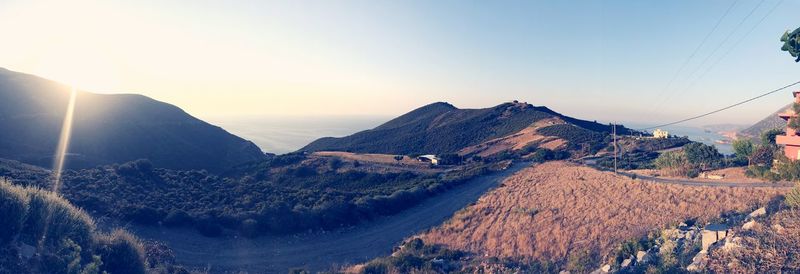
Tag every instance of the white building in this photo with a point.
(429, 159)
(658, 133)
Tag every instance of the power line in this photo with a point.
(721, 109)
(697, 49)
(734, 46)
(727, 37)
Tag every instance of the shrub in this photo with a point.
(702, 155)
(54, 216)
(793, 198)
(250, 228)
(13, 206)
(121, 253)
(178, 218)
(674, 163)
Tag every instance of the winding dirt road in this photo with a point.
(321, 251)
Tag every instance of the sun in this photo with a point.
(79, 66)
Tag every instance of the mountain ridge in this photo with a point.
(440, 127)
(109, 128)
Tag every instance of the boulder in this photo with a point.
(698, 262)
(27, 251)
(758, 212)
(641, 256)
(626, 263)
(749, 225)
(778, 228)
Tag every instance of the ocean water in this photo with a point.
(281, 135)
(695, 134)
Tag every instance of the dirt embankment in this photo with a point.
(547, 211)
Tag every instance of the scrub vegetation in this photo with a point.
(43, 233)
(287, 194)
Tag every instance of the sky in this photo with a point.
(647, 62)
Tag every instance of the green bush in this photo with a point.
(64, 236)
(250, 228)
(178, 218)
(121, 253)
(13, 207)
(793, 198)
(52, 218)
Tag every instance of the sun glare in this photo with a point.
(63, 141)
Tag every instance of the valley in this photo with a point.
(330, 249)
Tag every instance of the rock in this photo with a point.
(758, 212)
(732, 243)
(603, 269)
(749, 225)
(626, 263)
(778, 228)
(27, 251)
(698, 262)
(713, 233)
(640, 256)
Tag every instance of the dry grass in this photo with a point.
(378, 163)
(547, 211)
(732, 175)
(519, 140)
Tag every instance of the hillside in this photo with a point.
(770, 122)
(109, 128)
(442, 128)
(559, 210)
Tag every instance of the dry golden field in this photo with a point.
(547, 211)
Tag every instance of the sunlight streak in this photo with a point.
(63, 141)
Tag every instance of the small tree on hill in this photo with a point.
(768, 137)
(791, 43)
(702, 155)
(762, 156)
(743, 149)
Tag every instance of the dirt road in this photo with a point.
(321, 251)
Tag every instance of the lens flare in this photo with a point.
(63, 141)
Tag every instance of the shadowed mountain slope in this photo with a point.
(442, 128)
(109, 128)
(770, 122)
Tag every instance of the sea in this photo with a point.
(286, 134)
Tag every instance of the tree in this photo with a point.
(673, 162)
(702, 155)
(743, 149)
(762, 156)
(768, 137)
(791, 43)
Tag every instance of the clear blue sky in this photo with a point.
(604, 60)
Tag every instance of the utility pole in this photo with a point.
(614, 130)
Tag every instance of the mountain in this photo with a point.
(442, 128)
(770, 122)
(109, 128)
